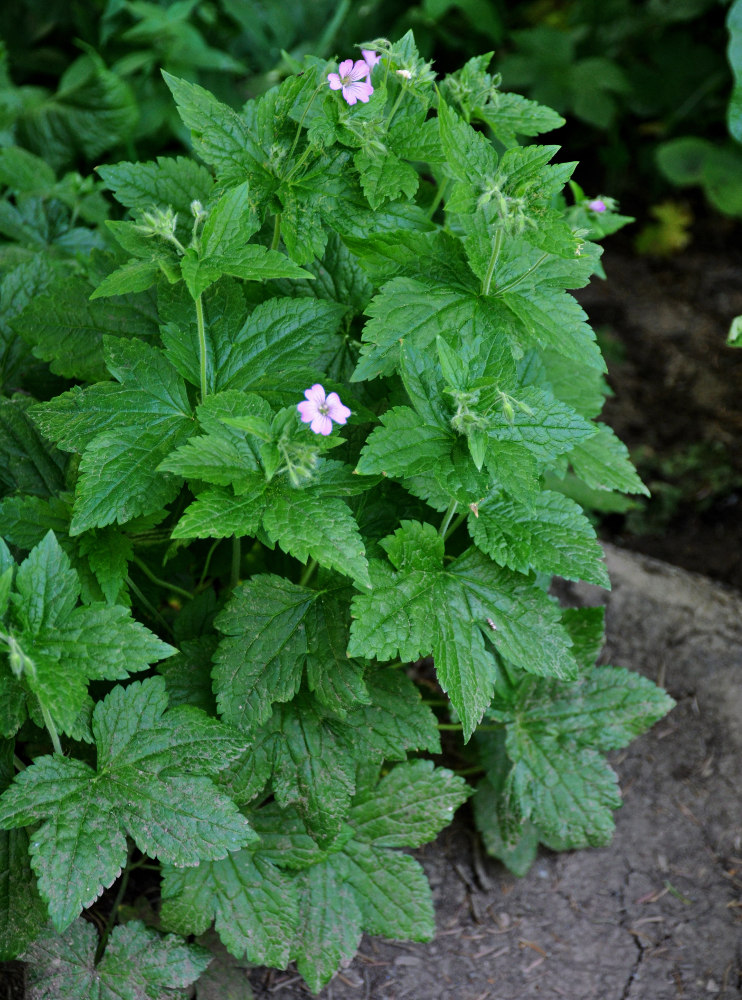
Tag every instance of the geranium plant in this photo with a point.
(331, 397)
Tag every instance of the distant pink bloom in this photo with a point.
(371, 58)
(319, 410)
(351, 78)
(597, 205)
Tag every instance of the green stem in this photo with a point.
(396, 104)
(147, 605)
(459, 518)
(448, 517)
(114, 910)
(201, 345)
(161, 583)
(301, 120)
(51, 728)
(276, 231)
(521, 277)
(209, 554)
(18, 763)
(309, 569)
(439, 195)
(496, 247)
(455, 727)
(234, 576)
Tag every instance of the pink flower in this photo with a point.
(597, 205)
(351, 78)
(371, 58)
(321, 410)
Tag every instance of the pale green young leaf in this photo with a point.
(470, 157)
(511, 115)
(138, 964)
(603, 463)
(551, 535)
(168, 181)
(230, 223)
(134, 276)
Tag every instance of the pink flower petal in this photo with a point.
(357, 91)
(334, 81)
(337, 410)
(307, 410)
(371, 58)
(345, 67)
(321, 424)
(316, 394)
(359, 72)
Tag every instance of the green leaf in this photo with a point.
(603, 463)
(279, 334)
(510, 115)
(220, 136)
(56, 647)
(384, 178)
(426, 608)
(173, 181)
(28, 463)
(19, 286)
(124, 431)
(22, 912)
(317, 527)
(66, 328)
(548, 318)
(404, 445)
(543, 425)
(134, 276)
(409, 805)
(552, 535)
(261, 658)
(254, 906)
(151, 782)
(138, 964)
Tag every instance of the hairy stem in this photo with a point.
(439, 195)
(201, 345)
(51, 728)
(496, 247)
(114, 909)
(207, 562)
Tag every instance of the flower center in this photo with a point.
(323, 409)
